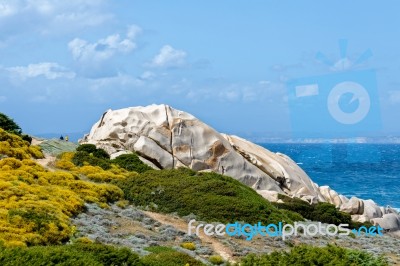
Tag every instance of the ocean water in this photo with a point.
(367, 171)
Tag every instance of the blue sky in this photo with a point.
(63, 63)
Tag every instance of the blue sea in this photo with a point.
(367, 171)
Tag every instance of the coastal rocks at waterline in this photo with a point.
(168, 138)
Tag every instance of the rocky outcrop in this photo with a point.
(168, 138)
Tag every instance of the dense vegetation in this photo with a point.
(165, 256)
(8, 124)
(76, 254)
(131, 162)
(209, 196)
(321, 212)
(88, 157)
(88, 154)
(98, 254)
(35, 203)
(309, 256)
(12, 145)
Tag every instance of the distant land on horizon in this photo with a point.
(75, 136)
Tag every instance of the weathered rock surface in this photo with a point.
(168, 138)
(390, 221)
(354, 206)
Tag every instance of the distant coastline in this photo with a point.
(358, 140)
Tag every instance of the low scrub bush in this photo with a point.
(9, 125)
(36, 204)
(12, 145)
(82, 158)
(89, 148)
(216, 260)
(312, 256)
(76, 254)
(322, 212)
(131, 162)
(93, 150)
(209, 196)
(169, 257)
(189, 245)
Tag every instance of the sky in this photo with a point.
(240, 66)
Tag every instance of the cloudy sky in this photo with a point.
(230, 63)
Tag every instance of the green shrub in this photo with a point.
(169, 258)
(76, 254)
(216, 260)
(92, 150)
(89, 154)
(89, 148)
(310, 256)
(322, 211)
(9, 125)
(357, 225)
(294, 216)
(209, 196)
(40, 219)
(327, 213)
(102, 154)
(131, 162)
(27, 138)
(82, 158)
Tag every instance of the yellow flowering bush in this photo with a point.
(35, 203)
(12, 145)
(65, 161)
(94, 173)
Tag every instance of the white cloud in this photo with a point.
(133, 31)
(147, 75)
(119, 81)
(264, 83)
(103, 49)
(169, 57)
(47, 69)
(262, 92)
(230, 95)
(47, 16)
(8, 8)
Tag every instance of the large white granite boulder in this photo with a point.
(168, 138)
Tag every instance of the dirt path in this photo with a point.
(47, 161)
(182, 225)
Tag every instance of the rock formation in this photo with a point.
(168, 138)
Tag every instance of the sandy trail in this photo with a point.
(47, 162)
(182, 225)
